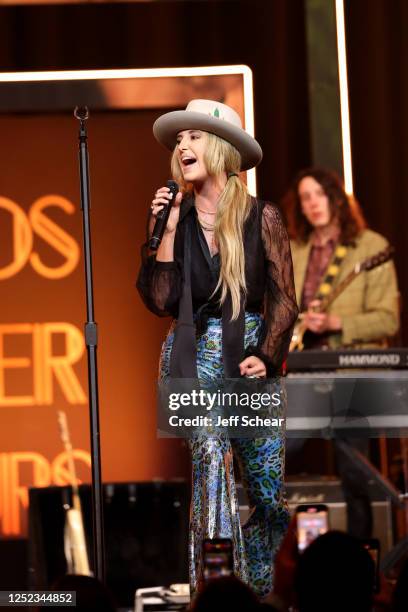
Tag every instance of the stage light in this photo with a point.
(344, 101)
(145, 73)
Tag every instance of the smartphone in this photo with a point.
(217, 558)
(312, 520)
(373, 547)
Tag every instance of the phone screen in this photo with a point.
(217, 558)
(312, 521)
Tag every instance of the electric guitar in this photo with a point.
(370, 263)
(74, 535)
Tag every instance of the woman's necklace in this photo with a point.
(209, 228)
(211, 243)
(206, 211)
(205, 224)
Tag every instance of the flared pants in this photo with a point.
(214, 504)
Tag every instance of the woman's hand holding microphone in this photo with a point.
(165, 246)
(162, 197)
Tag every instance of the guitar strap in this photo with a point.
(332, 272)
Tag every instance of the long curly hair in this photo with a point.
(343, 206)
(234, 205)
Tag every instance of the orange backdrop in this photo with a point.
(43, 363)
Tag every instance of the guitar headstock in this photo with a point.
(378, 259)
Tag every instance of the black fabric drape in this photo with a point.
(377, 56)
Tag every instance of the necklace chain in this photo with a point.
(206, 211)
(206, 225)
(211, 244)
(210, 228)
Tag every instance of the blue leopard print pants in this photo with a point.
(214, 505)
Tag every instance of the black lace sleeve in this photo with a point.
(158, 282)
(280, 308)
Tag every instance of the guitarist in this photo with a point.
(329, 236)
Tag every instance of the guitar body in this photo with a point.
(74, 544)
(297, 344)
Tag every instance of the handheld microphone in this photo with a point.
(163, 217)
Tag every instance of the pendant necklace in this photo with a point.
(211, 229)
(208, 228)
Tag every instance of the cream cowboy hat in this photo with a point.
(209, 116)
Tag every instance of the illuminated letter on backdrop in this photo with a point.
(46, 367)
(22, 239)
(61, 365)
(54, 236)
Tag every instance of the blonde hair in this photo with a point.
(233, 208)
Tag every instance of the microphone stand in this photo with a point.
(91, 340)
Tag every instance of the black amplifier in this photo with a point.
(328, 491)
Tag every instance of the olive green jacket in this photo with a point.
(369, 306)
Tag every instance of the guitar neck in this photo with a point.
(70, 459)
(327, 301)
(74, 482)
(368, 264)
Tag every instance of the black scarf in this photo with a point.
(183, 361)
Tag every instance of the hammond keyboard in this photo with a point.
(384, 359)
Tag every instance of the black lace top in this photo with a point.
(268, 270)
